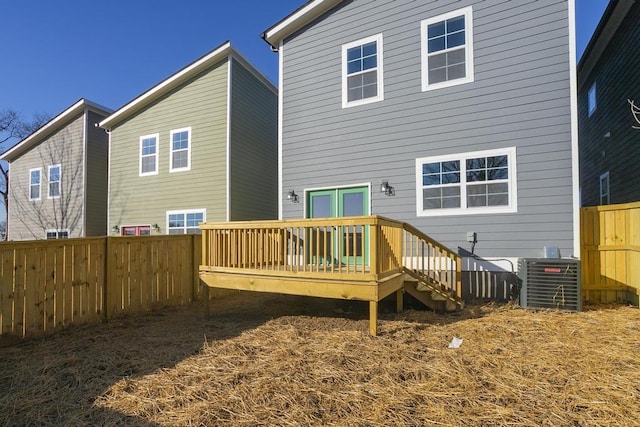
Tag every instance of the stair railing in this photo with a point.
(430, 260)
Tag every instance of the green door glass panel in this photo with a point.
(354, 202)
(322, 204)
(320, 244)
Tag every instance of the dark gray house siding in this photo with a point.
(97, 170)
(608, 143)
(253, 151)
(520, 98)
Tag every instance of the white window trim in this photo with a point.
(171, 133)
(464, 210)
(608, 192)
(155, 172)
(380, 72)
(56, 230)
(39, 184)
(185, 212)
(591, 108)
(49, 196)
(468, 26)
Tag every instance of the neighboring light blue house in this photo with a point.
(457, 116)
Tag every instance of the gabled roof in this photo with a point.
(52, 126)
(612, 18)
(220, 53)
(297, 19)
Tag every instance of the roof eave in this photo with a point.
(612, 18)
(170, 83)
(296, 20)
(51, 126)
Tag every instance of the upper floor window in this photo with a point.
(35, 178)
(604, 188)
(591, 99)
(180, 150)
(447, 49)
(362, 80)
(57, 234)
(468, 183)
(185, 222)
(149, 154)
(55, 177)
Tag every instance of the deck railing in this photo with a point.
(358, 248)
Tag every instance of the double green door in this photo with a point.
(346, 242)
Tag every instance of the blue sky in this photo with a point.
(55, 52)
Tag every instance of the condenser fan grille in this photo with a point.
(550, 283)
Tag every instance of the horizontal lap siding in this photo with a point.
(617, 77)
(520, 98)
(200, 104)
(97, 170)
(29, 219)
(254, 148)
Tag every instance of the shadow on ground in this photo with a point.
(56, 380)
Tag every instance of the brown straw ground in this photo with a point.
(271, 360)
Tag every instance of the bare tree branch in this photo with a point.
(13, 129)
(635, 111)
(57, 213)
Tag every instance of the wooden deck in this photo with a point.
(360, 258)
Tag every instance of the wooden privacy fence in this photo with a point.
(47, 285)
(610, 252)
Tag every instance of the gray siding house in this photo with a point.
(58, 177)
(608, 76)
(456, 116)
(198, 146)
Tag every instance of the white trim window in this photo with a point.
(592, 103)
(362, 76)
(149, 154)
(185, 222)
(604, 189)
(447, 49)
(180, 156)
(35, 183)
(470, 183)
(55, 178)
(52, 233)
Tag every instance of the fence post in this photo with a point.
(196, 255)
(107, 278)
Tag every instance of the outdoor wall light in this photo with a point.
(115, 229)
(387, 189)
(292, 196)
(156, 227)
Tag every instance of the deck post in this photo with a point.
(373, 247)
(373, 318)
(399, 300)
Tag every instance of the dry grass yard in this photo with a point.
(270, 360)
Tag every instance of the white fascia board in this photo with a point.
(167, 85)
(297, 20)
(51, 126)
(575, 161)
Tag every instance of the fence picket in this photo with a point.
(610, 250)
(46, 286)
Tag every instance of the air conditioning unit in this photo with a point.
(550, 283)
